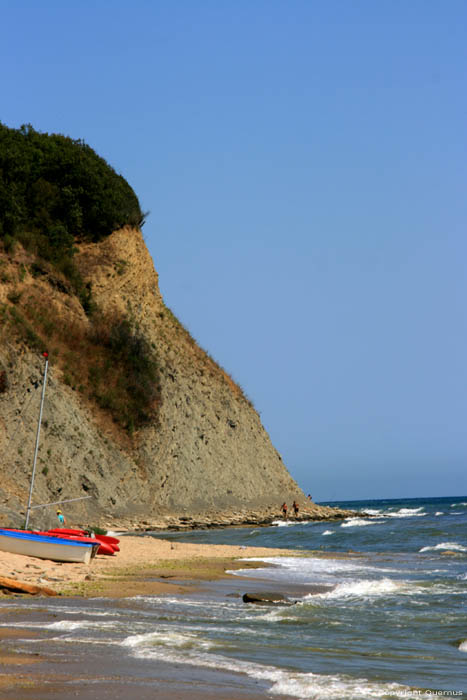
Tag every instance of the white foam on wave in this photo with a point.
(328, 532)
(406, 513)
(294, 684)
(66, 610)
(439, 512)
(90, 611)
(339, 687)
(456, 505)
(463, 646)
(372, 511)
(167, 639)
(359, 522)
(362, 589)
(310, 570)
(67, 625)
(283, 523)
(454, 546)
(155, 600)
(271, 615)
(64, 625)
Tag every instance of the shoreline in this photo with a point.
(145, 565)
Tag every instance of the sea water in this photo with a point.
(381, 610)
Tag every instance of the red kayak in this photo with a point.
(103, 547)
(102, 538)
(106, 539)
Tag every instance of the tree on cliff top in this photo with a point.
(55, 190)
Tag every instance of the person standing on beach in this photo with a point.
(61, 518)
(284, 510)
(295, 508)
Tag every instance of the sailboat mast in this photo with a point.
(46, 355)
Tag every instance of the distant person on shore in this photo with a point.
(309, 496)
(295, 507)
(284, 510)
(61, 518)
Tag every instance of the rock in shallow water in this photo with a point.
(267, 598)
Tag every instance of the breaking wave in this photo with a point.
(185, 649)
(454, 546)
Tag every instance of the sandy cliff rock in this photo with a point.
(208, 452)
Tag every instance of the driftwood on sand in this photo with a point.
(11, 584)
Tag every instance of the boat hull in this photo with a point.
(53, 548)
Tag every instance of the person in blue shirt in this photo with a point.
(61, 518)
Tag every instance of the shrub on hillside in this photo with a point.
(107, 360)
(55, 190)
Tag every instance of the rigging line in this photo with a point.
(54, 503)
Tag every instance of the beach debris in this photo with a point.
(11, 584)
(267, 598)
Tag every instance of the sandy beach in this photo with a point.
(124, 573)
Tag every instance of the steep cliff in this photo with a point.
(205, 449)
(138, 419)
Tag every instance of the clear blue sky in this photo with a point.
(304, 165)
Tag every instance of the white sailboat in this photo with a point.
(55, 548)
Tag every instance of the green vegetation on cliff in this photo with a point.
(55, 190)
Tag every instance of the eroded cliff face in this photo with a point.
(207, 452)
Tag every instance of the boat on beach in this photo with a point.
(47, 547)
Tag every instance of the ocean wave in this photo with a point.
(454, 546)
(339, 687)
(311, 570)
(439, 512)
(68, 625)
(456, 505)
(63, 625)
(371, 511)
(405, 513)
(283, 523)
(328, 532)
(166, 638)
(463, 646)
(362, 589)
(359, 522)
(282, 682)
